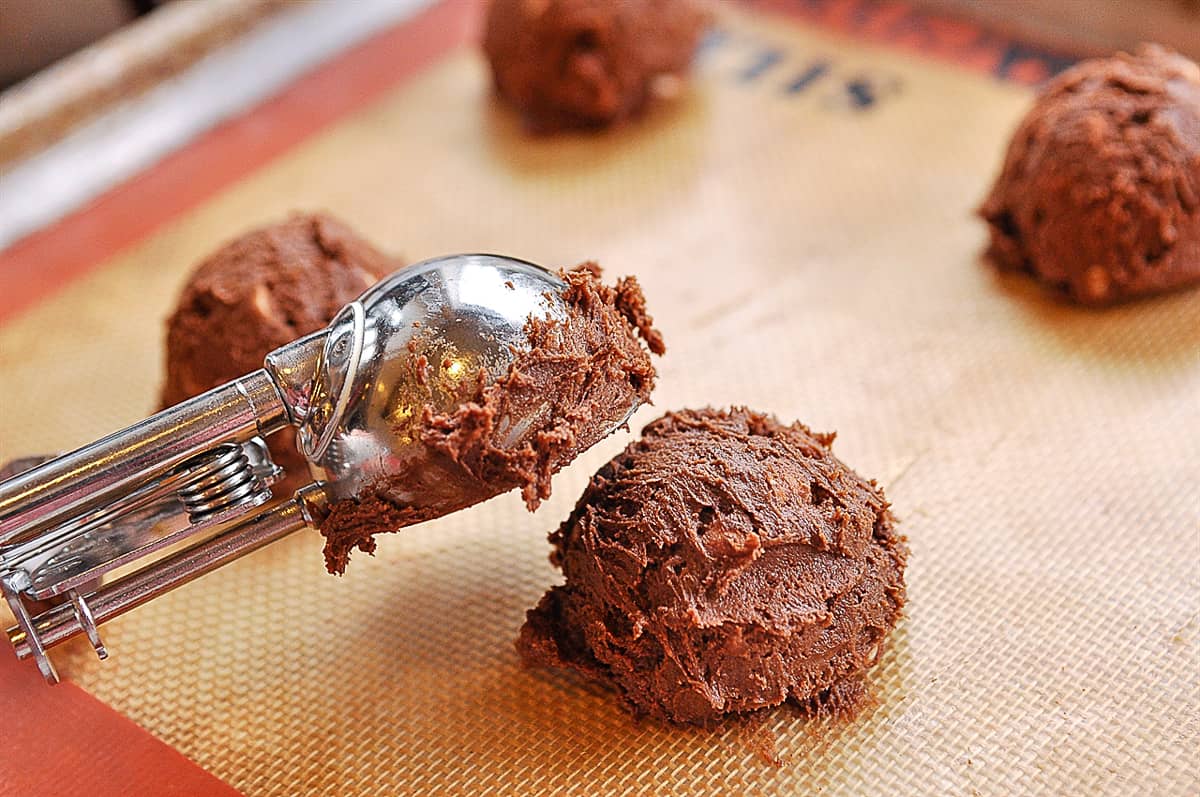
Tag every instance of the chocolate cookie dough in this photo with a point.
(258, 292)
(723, 563)
(577, 380)
(1099, 197)
(589, 63)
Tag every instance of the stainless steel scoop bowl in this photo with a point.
(200, 470)
(462, 314)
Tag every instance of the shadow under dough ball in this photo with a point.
(1099, 196)
(588, 63)
(258, 292)
(723, 563)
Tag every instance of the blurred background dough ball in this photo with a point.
(1099, 197)
(589, 63)
(258, 292)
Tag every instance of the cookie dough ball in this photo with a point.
(258, 292)
(589, 63)
(723, 563)
(1099, 197)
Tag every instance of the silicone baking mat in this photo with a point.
(802, 225)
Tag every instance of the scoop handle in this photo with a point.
(89, 477)
(33, 635)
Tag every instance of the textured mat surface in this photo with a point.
(802, 227)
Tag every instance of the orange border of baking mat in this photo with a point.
(52, 736)
(900, 25)
(44, 261)
(61, 740)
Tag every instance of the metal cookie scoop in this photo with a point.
(200, 469)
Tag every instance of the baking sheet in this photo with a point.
(806, 251)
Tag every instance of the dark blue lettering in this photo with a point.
(767, 60)
(807, 77)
